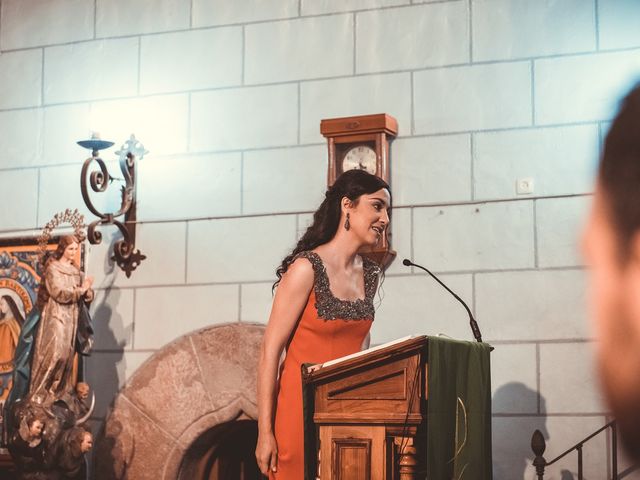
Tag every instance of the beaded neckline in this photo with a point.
(330, 307)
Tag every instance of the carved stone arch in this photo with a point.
(197, 382)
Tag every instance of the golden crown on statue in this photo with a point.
(70, 217)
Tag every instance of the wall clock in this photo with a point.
(359, 142)
(362, 142)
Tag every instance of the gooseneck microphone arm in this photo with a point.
(472, 321)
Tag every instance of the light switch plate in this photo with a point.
(524, 186)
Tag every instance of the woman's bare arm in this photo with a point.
(288, 304)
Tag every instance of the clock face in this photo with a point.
(361, 157)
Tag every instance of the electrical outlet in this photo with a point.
(524, 186)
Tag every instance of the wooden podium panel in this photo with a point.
(355, 449)
(370, 411)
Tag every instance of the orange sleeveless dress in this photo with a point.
(328, 328)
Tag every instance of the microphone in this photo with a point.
(472, 321)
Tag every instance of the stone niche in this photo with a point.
(189, 412)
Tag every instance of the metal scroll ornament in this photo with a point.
(124, 251)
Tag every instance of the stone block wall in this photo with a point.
(228, 96)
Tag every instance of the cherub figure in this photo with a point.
(27, 445)
(75, 443)
(80, 402)
(31, 429)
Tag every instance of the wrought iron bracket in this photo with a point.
(124, 250)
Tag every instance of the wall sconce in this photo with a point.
(124, 252)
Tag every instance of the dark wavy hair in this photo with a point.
(351, 184)
(619, 173)
(15, 311)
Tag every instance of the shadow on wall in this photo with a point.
(512, 455)
(108, 357)
(108, 353)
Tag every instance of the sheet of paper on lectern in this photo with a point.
(318, 366)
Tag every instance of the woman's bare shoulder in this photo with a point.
(301, 269)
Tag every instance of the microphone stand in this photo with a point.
(472, 321)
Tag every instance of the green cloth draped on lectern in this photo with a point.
(458, 410)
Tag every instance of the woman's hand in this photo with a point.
(267, 453)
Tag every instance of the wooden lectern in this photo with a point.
(369, 411)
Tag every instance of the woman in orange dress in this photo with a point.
(323, 309)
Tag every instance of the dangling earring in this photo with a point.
(347, 224)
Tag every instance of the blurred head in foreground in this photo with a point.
(611, 245)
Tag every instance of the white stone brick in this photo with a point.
(244, 118)
(191, 60)
(562, 94)
(21, 79)
(559, 223)
(160, 122)
(400, 239)
(189, 187)
(299, 49)
(20, 190)
(507, 29)
(91, 70)
(304, 221)
(476, 97)
(221, 12)
(317, 7)
(568, 379)
(164, 245)
(512, 454)
(64, 126)
(131, 17)
(415, 37)
(416, 304)
(471, 237)
(219, 249)
(284, 180)
(618, 23)
(30, 23)
(514, 382)
(559, 160)
(164, 314)
(112, 316)
(431, 169)
(565, 432)
(354, 96)
(256, 300)
(532, 305)
(108, 372)
(20, 138)
(60, 189)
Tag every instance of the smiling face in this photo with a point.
(369, 216)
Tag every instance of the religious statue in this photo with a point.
(47, 407)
